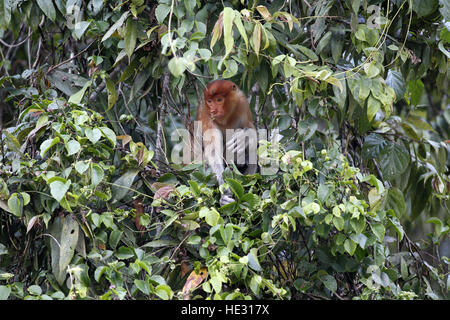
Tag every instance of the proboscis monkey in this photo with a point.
(227, 130)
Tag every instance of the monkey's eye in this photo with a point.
(219, 99)
(209, 100)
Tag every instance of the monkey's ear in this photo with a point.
(234, 87)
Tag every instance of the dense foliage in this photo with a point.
(93, 207)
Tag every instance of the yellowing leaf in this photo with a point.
(217, 30)
(164, 192)
(290, 20)
(264, 13)
(256, 38)
(125, 139)
(336, 82)
(193, 281)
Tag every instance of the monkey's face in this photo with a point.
(216, 95)
(216, 106)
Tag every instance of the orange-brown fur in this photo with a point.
(225, 106)
(236, 107)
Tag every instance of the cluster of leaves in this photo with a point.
(357, 88)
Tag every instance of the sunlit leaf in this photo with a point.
(115, 26)
(228, 17)
(48, 8)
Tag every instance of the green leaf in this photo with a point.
(306, 128)
(5, 14)
(161, 243)
(124, 253)
(355, 5)
(78, 96)
(416, 88)
(371, 69)
(205, 54)
(323, 43)
(395, 80)
(311, 55)
(255, 284)
(236, 187)
(424, 8)
(143, 286)
(445, 11)
(373, 106)
(253, 260)
(58, 189)
(130, 36)
(228, 17)
(117, 25)
(358, 224)
(80, 28)
(81, 166)
(5, 291)
(34, 289)
(396, 201)
(238, 22)
(443, 49)
(395, 223)
(360, 239)
(121, 186)
(373, 145)
(48, 9)
(350, 246)
(161, 12)
(365, 84)
(112, 93)
(65, 231)
(324, 191)
(190, 5)
(231, 69)
(212, 217)
(410, 131)
(72, 147)
(378, 230)
(47, 144)
(3, 251)
(177, 66)
(164, 292)
(216, 283)
(329, 282)
(393, 161)
(419, 123)
(109, 135)
(226, 233)
(99, 272)
(114, 238)
(339, 223)
(97, 174)
(16, 203)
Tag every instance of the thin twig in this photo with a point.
(70, 59)
(16, 44)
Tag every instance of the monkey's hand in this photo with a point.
(238, 143)
(226, 198)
